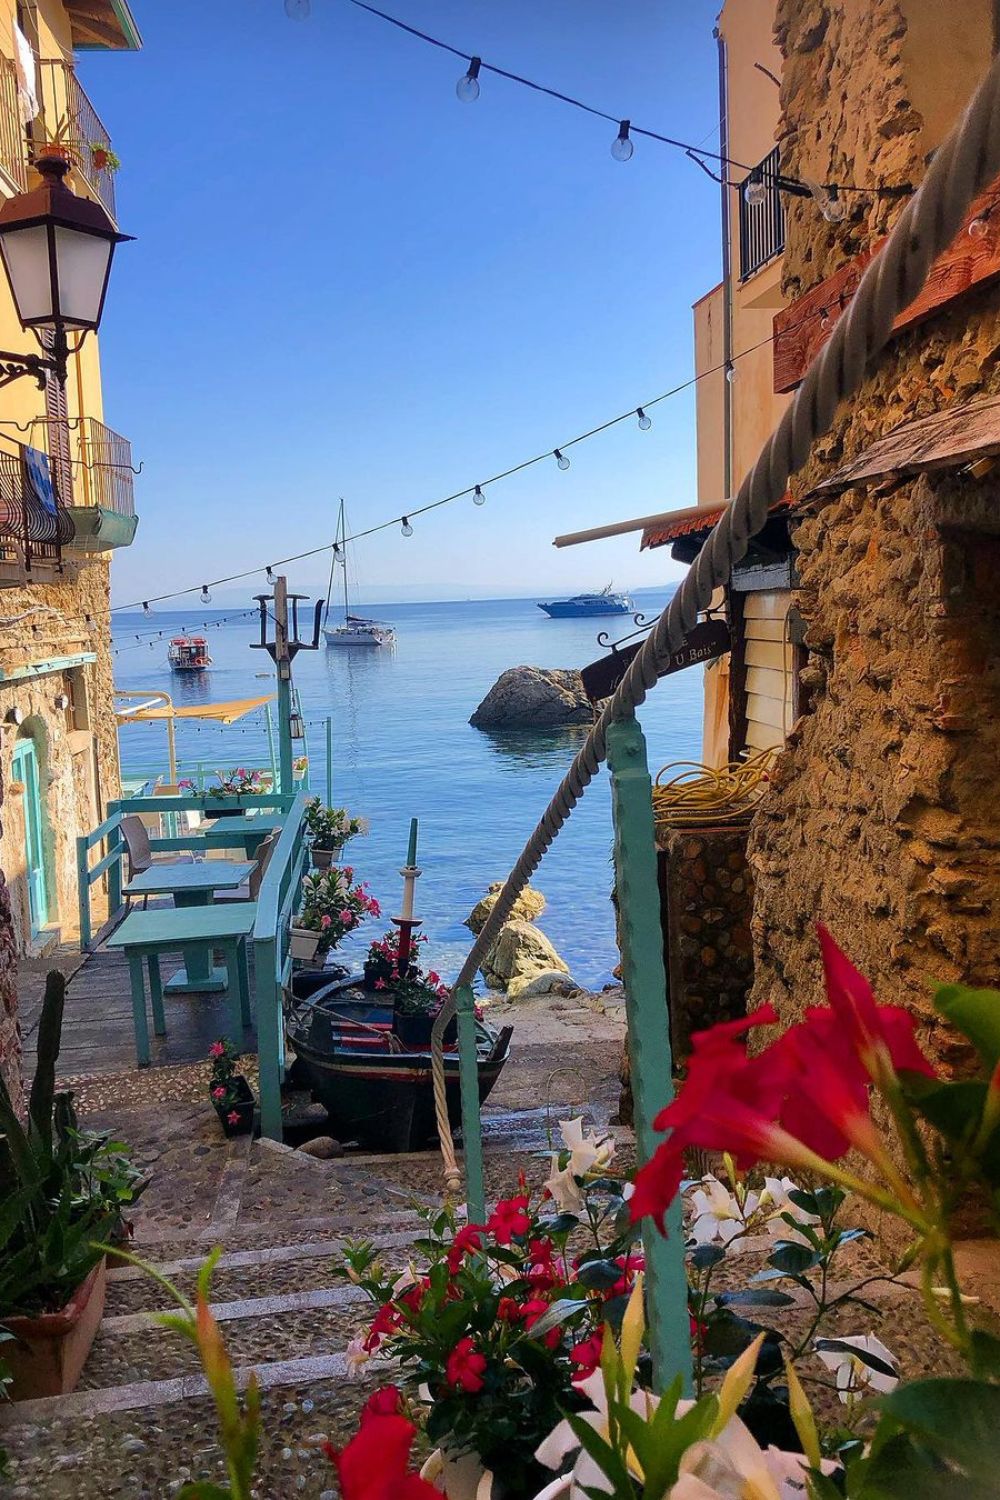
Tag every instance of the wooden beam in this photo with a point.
(801, 329)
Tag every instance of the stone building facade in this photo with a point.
(882, 818)
(66, 501)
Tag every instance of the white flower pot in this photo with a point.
(460, 1478)
(303, 942)
(557, 1489)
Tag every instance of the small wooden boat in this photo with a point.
(373, 1090)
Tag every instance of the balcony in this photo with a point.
(68, 115)
(762, 225)
(34, 525)
(92, 467)
(13, 156)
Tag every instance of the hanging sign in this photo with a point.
(708, 640)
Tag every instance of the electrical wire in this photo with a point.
(780, 179)
(544, 457)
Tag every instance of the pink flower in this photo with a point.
(218, 1093)
(346, 915)
(433, 978)
(380, 984)
(325, 921)
(217, 1049)
(233, 1117)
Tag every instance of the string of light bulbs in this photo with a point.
(477, 491)
(150, 637)
(755, 184)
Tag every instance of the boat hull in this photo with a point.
(366, 638)
(566, 609)
(371, 1093)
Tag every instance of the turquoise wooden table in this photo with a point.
(239, 833)
(192, 885)
(147, 934)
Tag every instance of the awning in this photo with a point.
(696, 522)
(946, 440)
(222, 713)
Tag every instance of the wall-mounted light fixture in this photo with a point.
(61, 700)
(14, 716)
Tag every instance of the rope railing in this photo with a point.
(965, 164)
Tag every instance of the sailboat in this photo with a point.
(356, 629)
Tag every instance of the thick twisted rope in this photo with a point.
(966, 164)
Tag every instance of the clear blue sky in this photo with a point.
(347, 282)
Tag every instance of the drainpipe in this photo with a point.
(727, 271)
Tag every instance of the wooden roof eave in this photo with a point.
(957, 437)
(102, 25)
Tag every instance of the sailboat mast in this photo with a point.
(342, 528)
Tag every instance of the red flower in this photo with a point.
(510, 1217)
(508, 1311)
(219, 1093)
(233, 1117)
(465, 1367)
(881, 1035)
(385, 1321)
(385, 1402)
(373, 1465)
(531, 1311)
(217, 1049)
(586, 1356)
(541, 1252)
(469, 1238)
(630, 1265)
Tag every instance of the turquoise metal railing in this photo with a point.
(109, 835)
(277, 901)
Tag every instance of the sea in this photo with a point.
(402, 747)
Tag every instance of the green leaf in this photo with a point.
(607, 1460)
(954, 1109)
(754, 1297)
(958, 1419)
(805, 1200)
(791, 1258)
(900, 1470)
(557, 1314)
(985, 1355)
(561, 1224)
(976, 1014)
(704, 1257)
(599, 1275)
(202, 1490)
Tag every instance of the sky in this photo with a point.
(347, 282)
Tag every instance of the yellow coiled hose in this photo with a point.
(697, 795)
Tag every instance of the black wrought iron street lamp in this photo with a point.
(56, 249)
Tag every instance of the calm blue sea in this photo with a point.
(403, 746)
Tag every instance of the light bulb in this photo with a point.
(467, 87)
(297, 10)
(145, 608)
(270, 574)
(621, 146)
(206, 597)
(645, 423)
(730, 373)
(406, 528)
(560, 458)
(478, 497)
(754, 191)
(978, 227)
(832, 207)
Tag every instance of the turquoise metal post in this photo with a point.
(115, 842)
(472, 1125)
(285, 734)
(329, 762)
(83, 890)
(270, 743)
(641, 937)
(269, 1025)
(411, 848)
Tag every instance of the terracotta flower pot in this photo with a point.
(52, 1348)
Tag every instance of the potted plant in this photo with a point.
(382, 963)
(102, 158)
(492, 1336)
(332, 906)
(226, 799)
(300, 765)
(416, 1000)
(232, 1097)
(63, 1192)
(329, 829)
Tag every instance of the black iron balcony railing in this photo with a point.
(762, 223)
(70, 117)
(34, 526)
(13, 157)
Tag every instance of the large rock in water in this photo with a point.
(529, 904)
(523, 962)
(533, 698)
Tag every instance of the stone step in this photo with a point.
(271, 1271)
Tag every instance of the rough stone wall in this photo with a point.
(64, 616)
(882, 819)
(10, 1038)
(706, 893)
